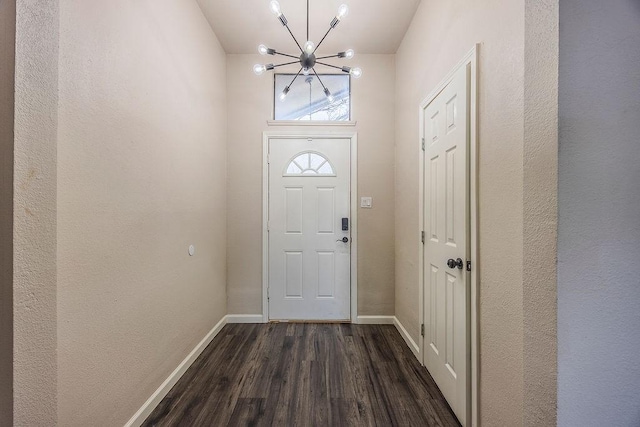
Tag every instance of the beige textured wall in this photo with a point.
(34, 220)
(250, 105)
(7, 67)
(442, 32)
(540, 224)
(141, 176)
(598, 214)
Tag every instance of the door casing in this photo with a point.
(469, 61)
(353, 138)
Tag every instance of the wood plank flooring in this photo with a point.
(305, 374)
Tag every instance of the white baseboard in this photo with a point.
(245, 318)
(392, 320)
(407, 338)
(375, 320)
(153, 401)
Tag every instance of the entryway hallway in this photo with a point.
(301, 374)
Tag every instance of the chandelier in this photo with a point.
(307, 58)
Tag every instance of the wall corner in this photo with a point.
(540, 213)
(34, 213)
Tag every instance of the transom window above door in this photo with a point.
(306, 99)
(309, 163)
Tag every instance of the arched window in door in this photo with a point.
(309, 163)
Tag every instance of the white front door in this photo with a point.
(446, 244)
(309, 207)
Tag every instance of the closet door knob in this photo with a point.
(453, 263)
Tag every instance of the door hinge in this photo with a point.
(468, 265)
(423, 144)
(422, 237)
(422, 330)
(267, 294)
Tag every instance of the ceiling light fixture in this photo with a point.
(307, 58)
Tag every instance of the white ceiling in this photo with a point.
(372, 26)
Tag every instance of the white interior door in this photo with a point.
(446, 247)
(309, 195)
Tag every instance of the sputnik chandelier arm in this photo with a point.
(326, 91)
(287, 88)
(275, 9)
(307, 58)
(347, 54)
(355, 72)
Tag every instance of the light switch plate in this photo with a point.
(366, 202)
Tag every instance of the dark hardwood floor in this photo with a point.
(304, 374)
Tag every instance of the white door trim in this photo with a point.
(470, 60)
(353, 137)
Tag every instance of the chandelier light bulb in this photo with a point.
(259, 69)
(263, 49)
(275, 8)
(356, 72)
(349, 53)
(343, 11)
(327, 93)
(284, 93)
(309, 47)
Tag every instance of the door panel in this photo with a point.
(326, 210)
(293, 200)
(446, 344)
(293, 274)
(326, 274)
(309, 194)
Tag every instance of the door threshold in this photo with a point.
(311, 321)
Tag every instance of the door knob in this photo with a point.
(343, 240)
(453, 263)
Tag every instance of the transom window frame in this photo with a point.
(275, 121)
